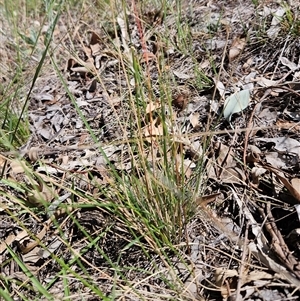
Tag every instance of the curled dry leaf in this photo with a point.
(252, 158)
(264, 82)
(42, 196)
(70, 63)
(180, 101)
(33, 153)
(256, 173)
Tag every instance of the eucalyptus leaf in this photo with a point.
(236, 103)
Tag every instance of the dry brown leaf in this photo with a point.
(226, 169)
(95, 39)
(256, 173)
(226, 280)
(88, 53)
(230, 175)
(288, 125)
(233, 175)
(223, 154)
(152, 106)
(236, 49)
(220, 87)
(33, 243)
(17, 167)
(70, 64)
(8, 241)
(286, 62)
(194, 119)
(36, 198)
(21, 276)
(33, 256)
(295, 182)
(22, 235)
(96, 49)
(42, 196)
(207, 199)
(105, 177)
(293, 187)
(155, 128)
(264, 82)
(257, 275)
(253, 155)
(275, 160)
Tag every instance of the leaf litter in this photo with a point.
(258, 194)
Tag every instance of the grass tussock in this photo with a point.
(111, 116)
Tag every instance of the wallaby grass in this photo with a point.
(154, 201)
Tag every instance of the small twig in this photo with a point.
(287, 74)
(228, 155)
(281, 53)
(242, 265)
(140, 30)
(279, 246)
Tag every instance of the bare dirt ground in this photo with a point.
(243, 244)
